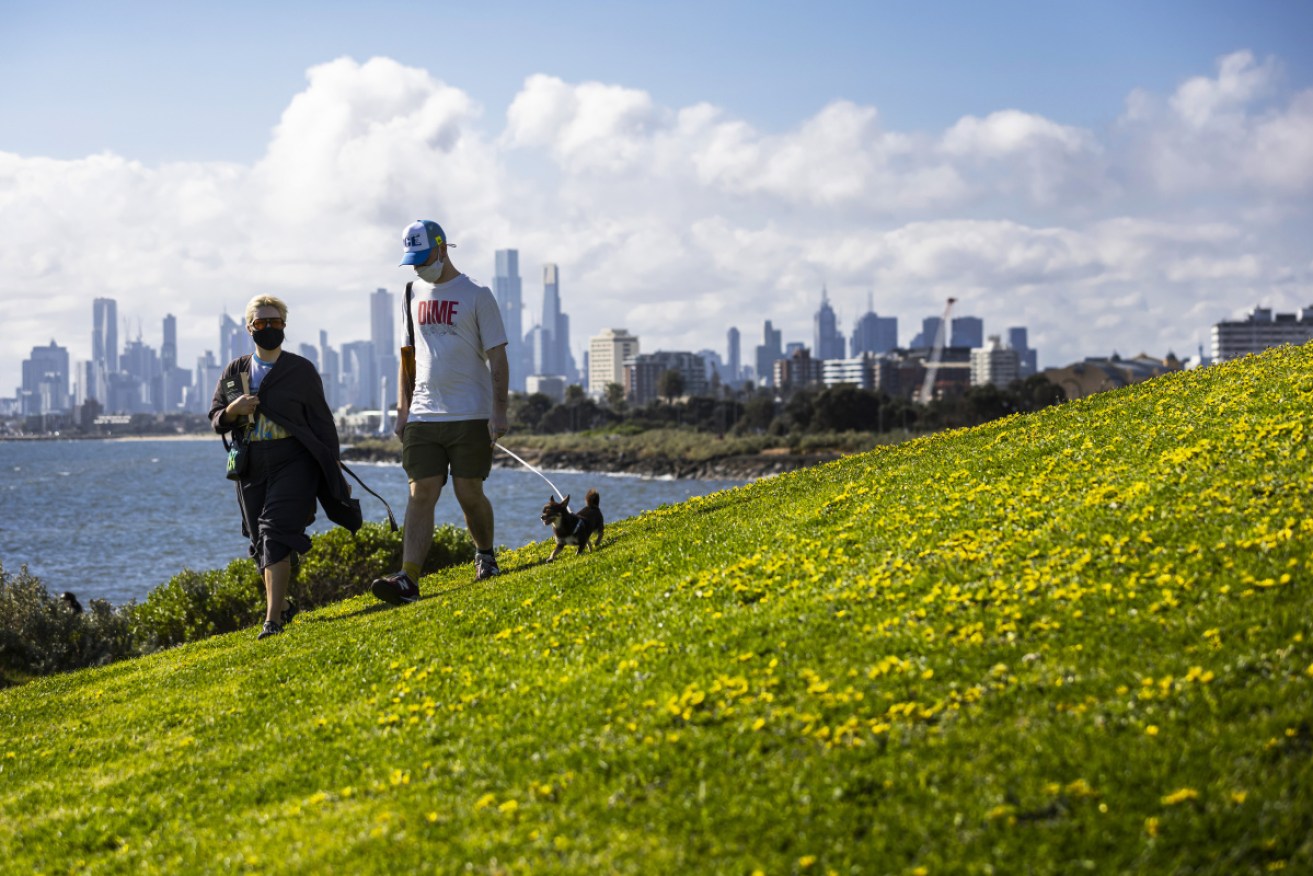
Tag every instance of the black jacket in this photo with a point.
(292, 395)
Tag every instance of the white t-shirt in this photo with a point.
(456, 323)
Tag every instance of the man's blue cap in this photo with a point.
(419, 240)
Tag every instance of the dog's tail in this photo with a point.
(592, 499)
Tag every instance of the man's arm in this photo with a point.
(405, 388)
(501, 381)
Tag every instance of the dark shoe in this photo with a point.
(395, 589)
(270, 629)
(290, 612)
(485, 566)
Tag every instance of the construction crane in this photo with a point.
(932, 364)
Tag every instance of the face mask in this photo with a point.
(430, 273)
(268, 338)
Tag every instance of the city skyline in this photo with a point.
(1111, 176)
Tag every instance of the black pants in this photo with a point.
(277, 498)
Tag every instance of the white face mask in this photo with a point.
(430, 273)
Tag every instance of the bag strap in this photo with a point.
(410, 324)
(392, 521)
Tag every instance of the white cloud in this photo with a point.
(677, 222)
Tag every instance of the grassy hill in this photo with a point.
(1075, 640)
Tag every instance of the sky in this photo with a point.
(1116, 176)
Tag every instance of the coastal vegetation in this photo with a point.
(1072, 640)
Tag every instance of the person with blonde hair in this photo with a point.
(273, 402)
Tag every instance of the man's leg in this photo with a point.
(478, 510)
(419, 522)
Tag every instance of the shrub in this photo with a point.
(341, 565)
(193, 605)
(40, 634)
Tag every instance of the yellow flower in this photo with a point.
(1152, 729)
(1180, 796)
(1151, 826)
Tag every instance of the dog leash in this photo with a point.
(558, 493)
(392, 521)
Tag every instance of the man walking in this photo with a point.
(455, 410)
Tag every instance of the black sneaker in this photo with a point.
(290, 612)
(395, 589)
(485, 566)
(271, 628)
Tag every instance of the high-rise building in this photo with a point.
(931, 326)
(549, 360)
(607, 353)
(994, 364)
(382, 324)
(733, 363)
(873, 333)
(1260, 330)
(829, 341)
(643, 374)
(1017, 340)
(169, 348)
(360, 383)
(330, 371)
(233, 338)
(104, 345)
(45, 381)
(173, 381)
(768, 353)
(968, 331)
(507, 290)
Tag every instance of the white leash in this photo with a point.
(558, 493)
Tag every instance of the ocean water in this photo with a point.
(114, 519)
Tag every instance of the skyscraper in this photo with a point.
(550, 360)
(45, 380)
(233, 339)
(104, 345)
(382, 323)
(733, 364)
(169, 349)
(1028, 359)
(968, 331)
(607, 353)
(829, 342)
(768, 353)
(510, 298)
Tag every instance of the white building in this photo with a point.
(994, 363)
(1259, 331)
(607, 353)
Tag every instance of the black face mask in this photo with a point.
(268, 338)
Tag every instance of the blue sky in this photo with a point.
(902, 148)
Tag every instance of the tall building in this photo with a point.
(931, 326)
(1260, 330)
(643, 374)
(169, 348)
(360, 383)
(829, 341)
(104, 345)
(994, 364)
(873, 333)
(733, 363)
(233, 339)
(768, 354)
(174, 382)
(607, 353)
(1029, 359)
(968, 331)
(45, 381)
(382, 325)
(507, 290)
(330, 371)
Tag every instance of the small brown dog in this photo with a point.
(571, 528)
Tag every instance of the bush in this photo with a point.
(41, 634)
(193, 605)
(341, 565)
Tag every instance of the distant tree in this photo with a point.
(526, 411)
(845, 408)
(671, 385)
(574, 393)
(614, 394)
(758, 412)
(1036, 392)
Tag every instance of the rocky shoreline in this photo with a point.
(738, 467)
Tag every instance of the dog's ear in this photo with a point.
(566, 500)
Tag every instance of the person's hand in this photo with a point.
(497, 427)
(242, 406)
(400, 425)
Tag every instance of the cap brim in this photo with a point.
(416, 258)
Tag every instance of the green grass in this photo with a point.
(1072, 641)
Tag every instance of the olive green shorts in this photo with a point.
(429, 449)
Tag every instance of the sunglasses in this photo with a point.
(271, 322)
